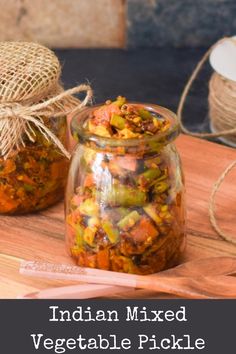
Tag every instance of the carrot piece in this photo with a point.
(143, 230)
(88, 181)
(56, 168)
(103, 114)
(7, 204)
(91, 260)
(103, 259)
(26, 179)
(77, 200)
(127, 162)
(7, 167)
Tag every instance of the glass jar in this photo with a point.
(125, 208)
(34, 177)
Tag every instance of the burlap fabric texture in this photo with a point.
(30, 90)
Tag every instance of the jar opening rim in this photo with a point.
(78, 128)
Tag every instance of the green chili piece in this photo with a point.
(125, 196)
(149, 163)
(161, 178)
(75, 137)
(145, 114)
(89, 234)
(101, 131)
(161, 187)
(79, 234)
(111, 231)
(89, 207)
(122, 211)
(156, 146)
(129, 220)
(150, 210)
(28, 187)
(149, 176)
(120, 101)
(127, 264)
(89, 155)
(117, 121)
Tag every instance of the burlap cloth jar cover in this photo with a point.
(33, 109)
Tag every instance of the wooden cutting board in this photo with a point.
(40, 236)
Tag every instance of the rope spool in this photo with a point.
(222, 113)
(222, 106)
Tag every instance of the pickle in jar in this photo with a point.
(129, 194)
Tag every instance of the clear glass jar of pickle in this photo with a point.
(34, 177)
(125, 208)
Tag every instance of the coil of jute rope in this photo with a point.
(222, 110)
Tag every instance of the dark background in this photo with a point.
(179, 23)
(155, 75)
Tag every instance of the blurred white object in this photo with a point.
(223, 59)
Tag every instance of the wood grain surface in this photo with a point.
(41, 236)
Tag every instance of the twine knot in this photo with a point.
(9, 110)
(12, 130)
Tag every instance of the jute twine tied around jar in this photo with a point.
(222, 112)
(30, 91)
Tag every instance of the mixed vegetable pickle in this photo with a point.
(125, 207)
(34, 177)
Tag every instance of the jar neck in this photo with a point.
(137, 146)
